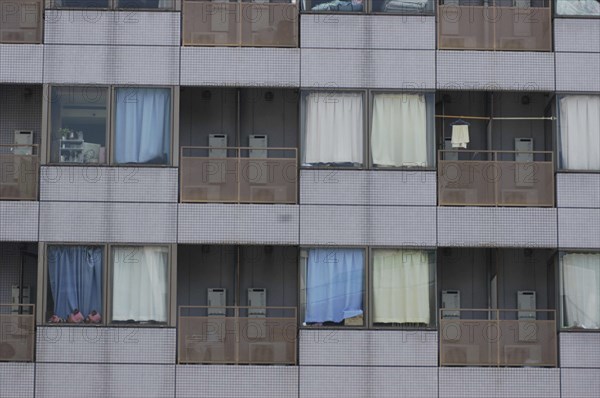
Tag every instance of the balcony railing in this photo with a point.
(237, 335)
(502, 28)
(495, 178)
(19, 172)
(17, 332)
(491, 338)
(239, 175)
(21, 21)
(236, 23)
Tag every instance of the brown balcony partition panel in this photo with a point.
(19, 172)
(477, 27)
(468, 179)
(237, 23)
(21, 21)
(240, 177)
(17, 332)
(471, 337)
(237, 335)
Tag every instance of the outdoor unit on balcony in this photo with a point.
(217, 149)
(460, 354)
(16, 299)
(524, 172)
(451, 300)
(257, 325)
(258, 172)
(523, 354)
(23, 137)
(526, 303)
(217, 300)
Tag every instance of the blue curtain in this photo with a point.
(334, 284)
(75, 274)
(143, 125)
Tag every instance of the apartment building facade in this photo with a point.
(339, 198)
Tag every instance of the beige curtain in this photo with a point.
(401, 286)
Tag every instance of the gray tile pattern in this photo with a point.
(16, 380)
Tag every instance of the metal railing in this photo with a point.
(17, 332)
(19, 172)
(495, 178)
(237, 335)
(237, 175)
(21, 21)
(207, 23)
(489, 337)
(498, 28)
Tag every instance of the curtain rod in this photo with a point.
(494, 118)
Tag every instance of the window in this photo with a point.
(75, 275)
(406, 7)
(401, 129)
(143, 125)
(134, 127)
(334, 286)
(134, 289)
(580, 290)
(140, 276)
(578, 8)
(579, 122)
(79, 125)
(403, 283)
(21, 21)
(118, 4)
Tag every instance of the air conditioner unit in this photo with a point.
(217, 301)
(460, 354)
(257, 297)
(451, 300)
(526, 300)
(16, 299)
(15, 348)
(23, 137)
(523, 354)
(273, 352)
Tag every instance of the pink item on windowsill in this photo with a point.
(56, 319)
(94, 317)
(75, 317)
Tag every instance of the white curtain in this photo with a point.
(580, 132)
(581, 290)
(143, 125)
(140, 280)
(334, 128)
(401, 286)
(399, 130)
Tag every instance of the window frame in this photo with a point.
(112, 5)
(368, 101)
(433, 305)
(111, 128)
(46, 290)
(368, 10)
(107, 286)
(560, 312)
(302, 273)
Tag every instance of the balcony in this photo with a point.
(17, 332)
(21, 21)
(19, 172)
(237, 23)
(495, 178)
(491, 338)
(470, 25)
(237, 335)
(238, 175)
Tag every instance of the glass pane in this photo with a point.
(333, 129)
(75, 287)
(78, 125)
(578, 7)
(334, 5)
(334, 287)
(80, 4)
(269, 24)
(403, 283)
(21, 21)
(146, 4)
(580, 290)
(142, 125)
(140, 284)
(402, 6)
